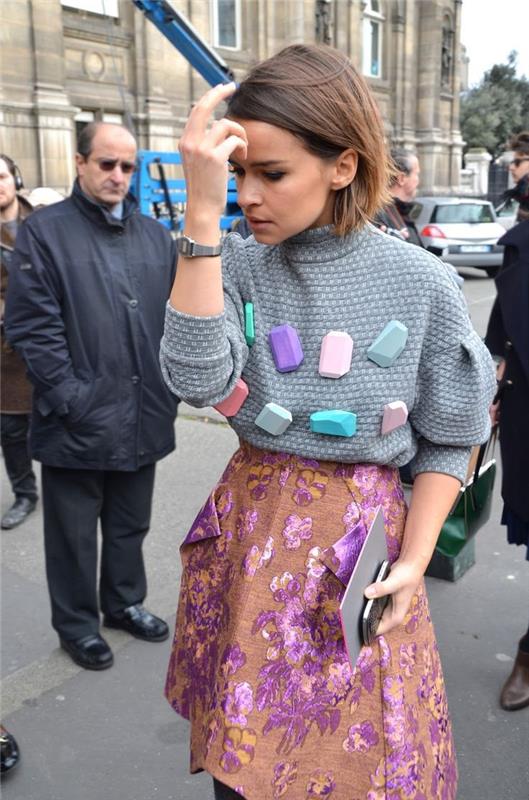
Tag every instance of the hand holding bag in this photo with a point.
(472, 507)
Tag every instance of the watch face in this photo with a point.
(189, 248)
(185, 245)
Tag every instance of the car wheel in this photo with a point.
(492, 271)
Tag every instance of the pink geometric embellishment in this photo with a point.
(335, 354)
(395, 415)
(231, 405)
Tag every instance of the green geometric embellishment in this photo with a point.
(389, 344)
(333, 423)
(249, 327)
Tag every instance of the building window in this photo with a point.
(372, 39)
(226, 15)
(84, 117)
(107, 8)
(81, 119)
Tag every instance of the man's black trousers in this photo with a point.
(74, 500)
(14, 437)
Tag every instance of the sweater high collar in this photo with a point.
(321, 245)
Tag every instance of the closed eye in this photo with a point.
(274, 176)
(235, 170)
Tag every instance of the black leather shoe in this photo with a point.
(90, 652)
(17, 513)
(140, 623)
(9, 752)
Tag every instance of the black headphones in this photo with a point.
(14, 170)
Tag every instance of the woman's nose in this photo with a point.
(248, 193)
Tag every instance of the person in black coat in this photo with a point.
(395, 217)
(508, 338)
(89, 281)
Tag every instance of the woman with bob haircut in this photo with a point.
(338, 353)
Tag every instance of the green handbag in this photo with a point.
(472, 507)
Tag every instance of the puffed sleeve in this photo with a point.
(456, 384)
(203, 357)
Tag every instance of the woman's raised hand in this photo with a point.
(205, 153)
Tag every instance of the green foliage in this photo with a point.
(496, 108)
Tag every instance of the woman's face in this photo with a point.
(282, 188)
(519, 166)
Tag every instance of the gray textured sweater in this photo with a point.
(318, 282)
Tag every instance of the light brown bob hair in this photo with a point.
(315, 93)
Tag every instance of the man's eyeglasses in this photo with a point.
(109, 164)
(517, 161)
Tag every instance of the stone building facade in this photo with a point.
(65, 62)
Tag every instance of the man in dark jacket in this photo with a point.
(394, 218)
(15, 389)
(88, 285)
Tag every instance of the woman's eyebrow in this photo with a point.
(270, 163)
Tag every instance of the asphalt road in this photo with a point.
(112, 736)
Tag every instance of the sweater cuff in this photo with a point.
(190, 338)
(441, 458)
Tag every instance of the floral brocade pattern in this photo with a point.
(258, 663)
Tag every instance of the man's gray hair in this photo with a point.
(402, 159)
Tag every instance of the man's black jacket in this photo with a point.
(85, 308)
(508, 337)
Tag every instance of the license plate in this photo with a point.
(476, 248)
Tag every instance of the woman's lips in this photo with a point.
(258, 223)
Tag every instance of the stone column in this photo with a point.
(456, 144)
(53, 111)
(430, 142)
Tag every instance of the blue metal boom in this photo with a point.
(158, 195)
(187, 41)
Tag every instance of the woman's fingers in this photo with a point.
(222, 128)
(400, 585)
(230, 145)
(201, 112)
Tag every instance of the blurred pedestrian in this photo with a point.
(15, 391)
(508, 339)
(519, 169)
(395, 218)
(280, 330)
(89, 281)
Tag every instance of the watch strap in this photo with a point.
(188, 248)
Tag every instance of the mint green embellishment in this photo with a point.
(249, 327)
(333, 423)
(389, 344)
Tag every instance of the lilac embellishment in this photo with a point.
(286, 348)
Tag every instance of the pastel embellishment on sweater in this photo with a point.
(231, 405)
(395, 415)
(333, 423)
(274, 419)
(249, 325)
(286, 348)
(335, 354)
(389, 344)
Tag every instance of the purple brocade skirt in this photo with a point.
(259, 666)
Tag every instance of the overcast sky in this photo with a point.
(490, 29)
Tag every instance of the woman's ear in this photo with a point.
(345, 168)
